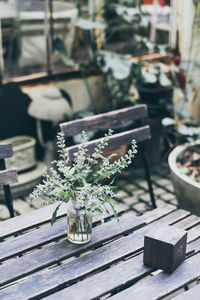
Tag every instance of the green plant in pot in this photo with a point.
(155, 88)
(83, 183)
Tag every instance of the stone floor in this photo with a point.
(132, 191)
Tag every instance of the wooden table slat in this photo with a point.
(163, 284)
(188, 222)
(196, 245)
(193, 233)
(108, 280)
(65, 249)
(41, 236)
(73, 270)
(29, 220)
(192, 294)
(157, 213)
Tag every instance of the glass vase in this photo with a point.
(79, 223)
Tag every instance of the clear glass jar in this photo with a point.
(79, 229)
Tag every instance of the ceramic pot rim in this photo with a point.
(173, 166)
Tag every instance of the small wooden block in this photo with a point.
(165, 248)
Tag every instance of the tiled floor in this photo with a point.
(132, 191)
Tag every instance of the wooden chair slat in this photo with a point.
(81, 266)
(105, 120)
(123, 138)
(8, 177)
(155, 287)
(5, 150)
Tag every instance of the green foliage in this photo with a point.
(179, 133)
(81, 181)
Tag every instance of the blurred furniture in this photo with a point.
(28, 168)
(111, 120)
(45, 265)
(7, 176)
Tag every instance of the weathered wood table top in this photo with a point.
(38, 262)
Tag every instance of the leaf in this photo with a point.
(114, 211)
(184, 170)
(164, 80)
(129, 14)
(87, 24)
(148, 77)
(54, 215)
(117, 64)
(168, 122)
(113, 187)
(65, 195)
(85, 220)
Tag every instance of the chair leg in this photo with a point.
(7, 192)
(9, 200)
(147, 174)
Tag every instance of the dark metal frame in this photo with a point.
(7, 192)
(145, 162)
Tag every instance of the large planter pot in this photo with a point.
(23, 153)
(26, 182)
(151, 94)
(186, 189)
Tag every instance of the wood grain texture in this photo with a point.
(163, 284)
(188, 222)
(166, 248)
(195, 245)
(5, 150)
(163, 211)
(193, 233)
(192, 294)
(123, 138)
(41, 236)
(108, 281)
(27, 221)
(55, 278)
(105, 120)
(8, 176)
(105, 281)
(81, 266)
(65, 249)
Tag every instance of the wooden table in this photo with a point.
(38, 262)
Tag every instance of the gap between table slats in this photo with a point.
(42, 236)
(108, 280)
(163, 284)
(82, 266)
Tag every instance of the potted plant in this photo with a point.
(83, 183)
(184, 164)
(155, 88)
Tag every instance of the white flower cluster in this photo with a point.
(82, 181)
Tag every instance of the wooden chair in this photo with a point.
(7, 176)
(111, 120)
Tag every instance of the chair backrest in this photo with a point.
(6, 176)
(106, 121)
